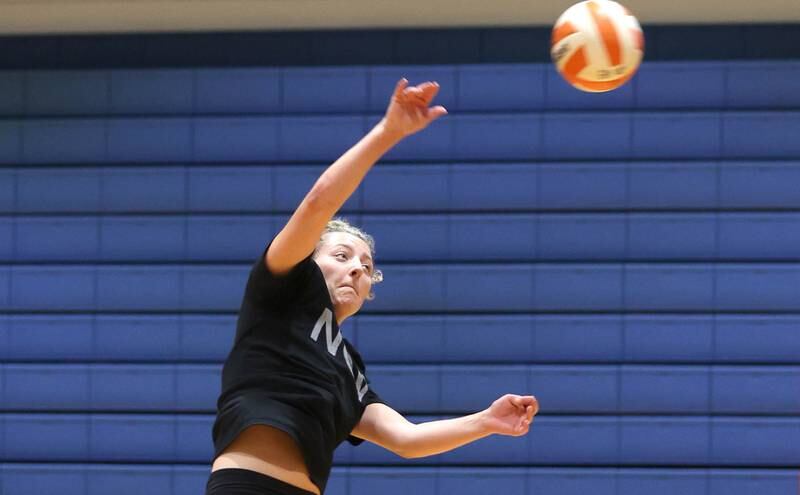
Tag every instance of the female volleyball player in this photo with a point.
(292, 387)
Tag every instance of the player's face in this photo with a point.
(346, 263)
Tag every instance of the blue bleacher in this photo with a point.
(630, 258)
(503, 137)
(750, 185)
(565, 389)
(634, 339)
(521, 287)
(453, 237)
(556, 441)
(585, 389)
(465, 88)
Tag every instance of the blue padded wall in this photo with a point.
(630, 258)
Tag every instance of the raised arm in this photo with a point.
(380, 424)
(408, 112)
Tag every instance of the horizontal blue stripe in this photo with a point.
(656, 441)
(417, 188)
(422, 288)
(315, 90)
(426, 388)
(456, 237)
(506, 136)
(443, 339)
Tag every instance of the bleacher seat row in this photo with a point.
(637, 186)
(585, 389)
(464, 88)
(408, 339)
(504, 137)
(521, 287)
(634, 441)
(437, 238)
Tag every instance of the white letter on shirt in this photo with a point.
(326, 319)
(362, 390)
(348, 360)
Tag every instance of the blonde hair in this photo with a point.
(342, 225)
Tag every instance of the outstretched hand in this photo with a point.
(511, 415)
(409, 110)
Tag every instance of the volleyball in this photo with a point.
(597, 45)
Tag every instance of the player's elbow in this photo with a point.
(405, 453)
(412, 453)
(404, 444)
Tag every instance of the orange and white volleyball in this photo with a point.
(597, 45)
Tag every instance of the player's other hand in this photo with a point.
(511, 415)
(409, 110)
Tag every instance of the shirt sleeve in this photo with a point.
(263, 287)
(371, 397)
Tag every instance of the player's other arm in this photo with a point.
(380, 424)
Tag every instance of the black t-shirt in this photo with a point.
(292, 369)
